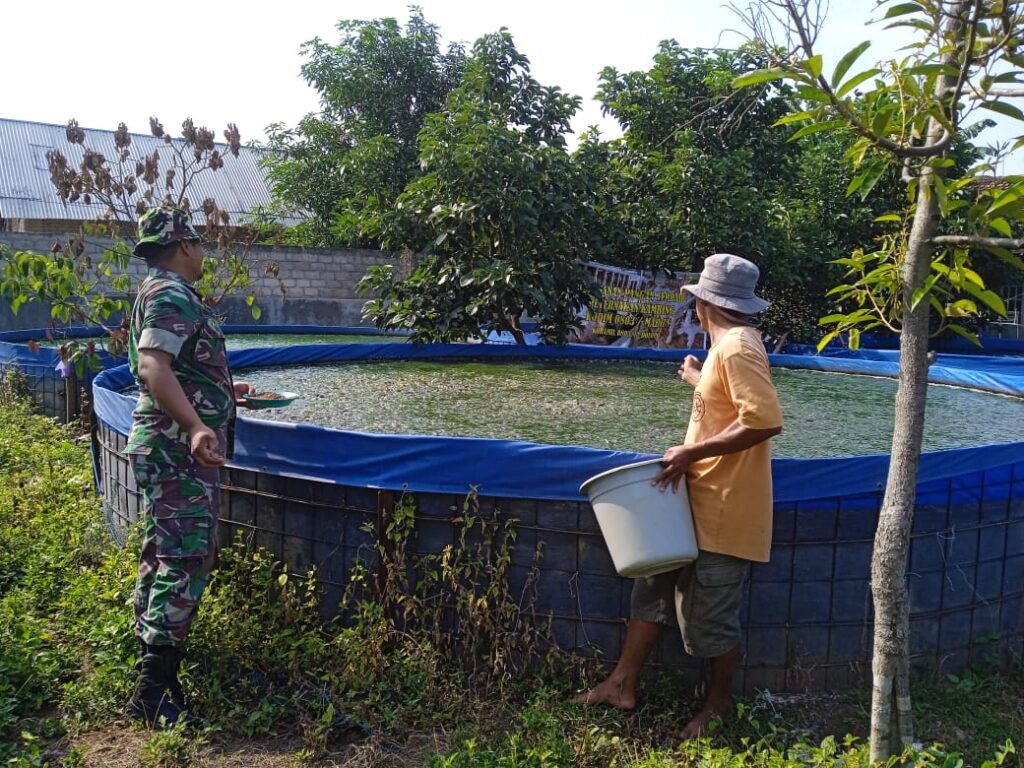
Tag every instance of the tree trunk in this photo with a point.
(891, 722)
(511, 325)
(892, 726)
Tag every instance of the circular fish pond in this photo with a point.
(634, 406)
(523, 428)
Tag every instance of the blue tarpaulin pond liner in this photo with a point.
(307, 493)
(51, 390)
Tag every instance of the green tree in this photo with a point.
(698, 161)
(702, 168)
(909, 115)
(376, 87)
(498, 216)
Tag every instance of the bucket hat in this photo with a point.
(728, 281)
(162, 226)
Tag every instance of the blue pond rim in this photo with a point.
(525, 470)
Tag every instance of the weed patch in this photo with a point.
(435, 660)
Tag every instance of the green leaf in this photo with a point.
(923, 290)
(920, 24)
(871, 177)
(971, 275)
(257, 313)
(847, 61)
(932, 69)
(989, 298)
(902, 9)
(1005, 255)
(812, 93)
(1007, 77)
(838, 288)
(813, 66)
(880, 125)
(854, 185)
(827, 338)
(826, 125)
(830, 319)
(913, 90)
(759, 76)
(1002, 226)
(1005, 198)
(940, 193)
(856, 80)
(961, 331)
(855, 154)
(795, 117)
(884, 216)
(1004, 108)
(854, 339)
(936, 112)
(961, 308)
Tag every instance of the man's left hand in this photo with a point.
(676, 461)
(243, 388)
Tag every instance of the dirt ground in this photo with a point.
(123, 745)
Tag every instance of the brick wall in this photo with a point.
(319, 283)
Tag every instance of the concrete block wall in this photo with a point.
(319, 284)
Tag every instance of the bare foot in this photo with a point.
(711, 710)
(612, 693)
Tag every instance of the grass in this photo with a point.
(279, 688)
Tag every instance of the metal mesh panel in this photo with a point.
(807, 615)
(45, 386)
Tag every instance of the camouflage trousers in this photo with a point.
(179, 543)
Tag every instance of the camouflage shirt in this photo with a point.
(169, 316)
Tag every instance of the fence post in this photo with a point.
(72, 397)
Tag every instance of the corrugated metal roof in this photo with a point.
(27, 193)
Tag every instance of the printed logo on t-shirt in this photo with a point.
(698, 407)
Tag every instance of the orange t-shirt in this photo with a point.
(731, 495)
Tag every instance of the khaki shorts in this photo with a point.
(706, 595)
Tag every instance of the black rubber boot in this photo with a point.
(177, 694)
(154, 699)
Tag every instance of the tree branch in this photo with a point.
(965, 68)
(979, 241)
(807, 36)
(1008, 93)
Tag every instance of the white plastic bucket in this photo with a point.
(647, 531)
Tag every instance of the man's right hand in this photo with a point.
(205, 446)
(675, 462)
(690, 370)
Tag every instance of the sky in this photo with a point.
(108, 62)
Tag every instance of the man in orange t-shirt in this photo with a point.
(726, 462)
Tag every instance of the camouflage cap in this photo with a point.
(163, 226)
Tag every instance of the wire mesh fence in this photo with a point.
(807, 614)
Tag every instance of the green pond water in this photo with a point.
(638, 406)
(250, 340)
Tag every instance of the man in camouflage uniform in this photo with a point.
(176, 447)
